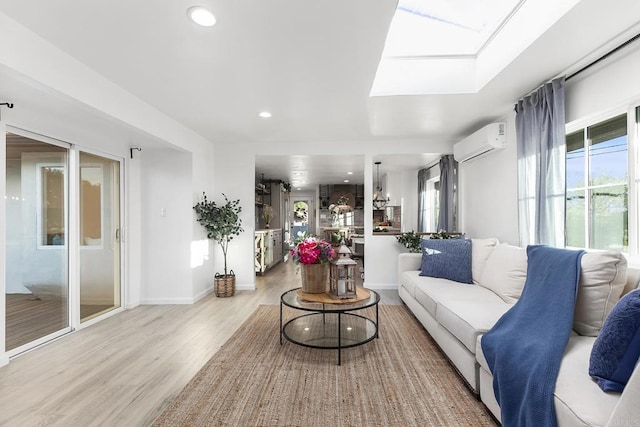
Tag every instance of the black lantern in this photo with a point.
(342, 283)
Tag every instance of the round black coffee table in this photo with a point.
(329, 325)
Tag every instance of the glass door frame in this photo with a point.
(69, 236)
(76, 321)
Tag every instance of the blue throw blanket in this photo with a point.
(525, 347)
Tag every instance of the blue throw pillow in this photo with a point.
(447, 259)
(617, 348)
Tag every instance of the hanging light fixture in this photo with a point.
(379, 201)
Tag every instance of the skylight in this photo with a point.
(444, 27)
(433, 46)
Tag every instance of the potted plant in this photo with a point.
(222, 223)
(410, 240)
(267, 215)
(313, 254)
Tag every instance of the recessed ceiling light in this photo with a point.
(299, 188)
(346, 180)
(201, 16)
(349, 173)
(265, 114)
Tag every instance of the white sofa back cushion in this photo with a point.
(480, 250)
(602, 280)
(505, 272)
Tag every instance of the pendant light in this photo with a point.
(379, 201)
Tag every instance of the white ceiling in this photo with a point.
(310, 63)
(307, 172)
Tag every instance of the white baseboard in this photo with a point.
(187, 300)
(166, 301)
(203, 294)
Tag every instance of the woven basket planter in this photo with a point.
(225, 286)
(315, 278)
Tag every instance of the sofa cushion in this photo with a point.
(447, 259)
(617, 348)
(468, 319)
(578, 400)
(633, 279)
(480, 250)
(430, 291)
(409, 279)
(602, 280)
(505, 272)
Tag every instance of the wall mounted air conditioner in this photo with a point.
(491, 137)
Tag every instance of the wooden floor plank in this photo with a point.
(29, 317)
(125, 369)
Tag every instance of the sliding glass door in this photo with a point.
(63, 246)
(37, 250)
(99, 242)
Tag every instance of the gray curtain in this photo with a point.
(423, 177)
(448, 193)
(540, 132)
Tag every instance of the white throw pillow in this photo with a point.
(505, 272)
(602, 279)
(480, 250)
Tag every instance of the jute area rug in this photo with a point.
(399, 379)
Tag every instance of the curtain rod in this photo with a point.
(605, 56)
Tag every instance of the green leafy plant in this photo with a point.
(222, 222)
(440, 235)
(410, 240)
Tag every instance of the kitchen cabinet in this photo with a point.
(267, 249)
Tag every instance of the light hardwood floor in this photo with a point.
(29, 317)
(124, 370)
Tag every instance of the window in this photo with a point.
(429, 199)
(433, 203)
(597, 179)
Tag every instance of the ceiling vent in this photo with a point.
(491, 137)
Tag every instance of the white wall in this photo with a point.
(489, 194)
(609, 85)
(167, 221)
(132, 235)
(409, 200)
(235, 176)
(402, 187)
(202, 263)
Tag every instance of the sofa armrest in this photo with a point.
(626, 411)
(408, 261)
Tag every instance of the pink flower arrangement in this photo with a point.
(312, 250)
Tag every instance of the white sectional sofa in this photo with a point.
(456, 315)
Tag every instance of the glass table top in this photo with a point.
(291, 299)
